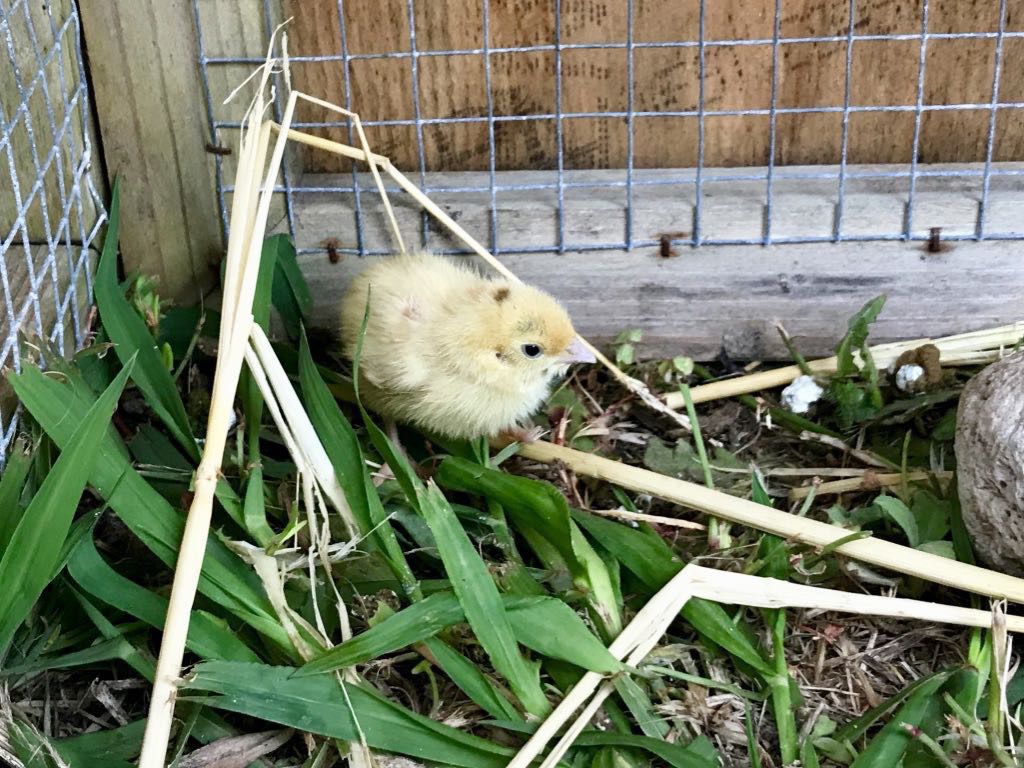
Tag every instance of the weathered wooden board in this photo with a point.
(730, 210)
(665, 79)
(150, 107)
(716, 296)
(38, 92)
(730, 297)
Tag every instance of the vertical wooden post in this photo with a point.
(151, 112)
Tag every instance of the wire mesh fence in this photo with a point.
(996, 40)
(50, 209)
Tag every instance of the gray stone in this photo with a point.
(990, 463)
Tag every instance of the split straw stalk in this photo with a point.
(250, 209)
(635, 386)
(642, 634)
(866, 482)
(974, 348)
(886, 554)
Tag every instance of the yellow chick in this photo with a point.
(452, 352)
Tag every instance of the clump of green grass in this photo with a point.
(478, 596)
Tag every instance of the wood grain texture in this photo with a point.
(730, 297)
(150, 107)
(716, 296)
(737, 77)
(41, 91)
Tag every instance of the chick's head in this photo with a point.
(518, 335)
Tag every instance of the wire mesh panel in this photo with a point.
(50, 210)
(759, 101)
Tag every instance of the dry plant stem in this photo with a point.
(865, 482)
(640, 517)
(962, 349)
(635, 386)
(250, 218)
(871, 550)
(866, 457)
(651, 620)
(642, 634)
(760, 592)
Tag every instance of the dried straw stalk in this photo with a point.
(871, 550)
(972, 348)
(250, 208)
(866, 482)
(642, 634)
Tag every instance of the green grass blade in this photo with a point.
(641, 708)
(892, 742)
(36, 544)
(318, 705)
(104, 650)
(481, 601)
(655, 564)
(12, 479)
(130, 336)
(225, 578)
(857, 728)
(111, 748)
(474, 683)
(531, 619)
(254, 509)
(538, 508)
(642, 551)
(411, 625)
(207, 636)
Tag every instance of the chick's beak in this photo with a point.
(577, 352)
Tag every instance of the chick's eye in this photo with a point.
(532, 350)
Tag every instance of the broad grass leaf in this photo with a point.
(12, 480)
(128, 331)
(207, 636)
(318, 705)
(922, 709)
(857, 728)
(481, 601)
(104, 650)
(225, 578)
(900, 514)
(115, 747)
(471, 680)
(538, 508)
(654, 566)
(35, 547)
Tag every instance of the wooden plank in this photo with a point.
(730, 210)
(716, 296)
(730, 297)
(150, 107)
(37, 88)
(666, 79)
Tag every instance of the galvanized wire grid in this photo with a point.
(49, 289)
(702, 176)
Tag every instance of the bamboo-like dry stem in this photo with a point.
(250, 209)
(642, 634)
(865, 482)
(641, 517)
(871, 550)
(635, 386)
(963, 349)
